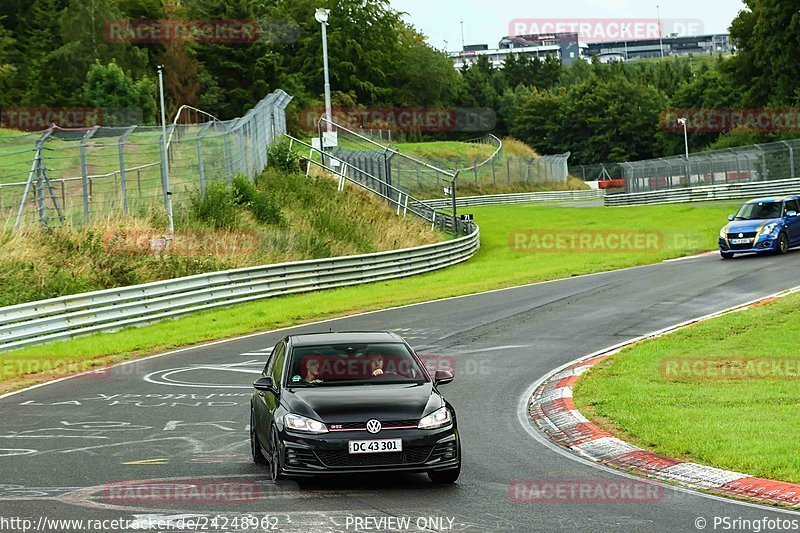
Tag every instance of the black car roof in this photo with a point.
(355, 337)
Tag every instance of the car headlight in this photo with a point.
(769, 229)
(303, 424)
(437, 419)
(722, 234)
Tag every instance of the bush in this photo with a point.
(280, 157)
(264, 208)
(217, 207)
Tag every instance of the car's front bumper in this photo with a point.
(762, 245)
(423, 451)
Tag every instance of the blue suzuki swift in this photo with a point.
(762, 226)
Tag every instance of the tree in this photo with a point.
(708, 89)
(57, 77)
(8, 69)
(110, 88)
(538, 120)
(234, 74)
(767, 37)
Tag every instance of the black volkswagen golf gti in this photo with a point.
(343, 403)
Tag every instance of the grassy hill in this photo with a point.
(284, 217)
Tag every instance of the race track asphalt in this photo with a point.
(184, 416)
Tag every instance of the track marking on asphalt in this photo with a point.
(690, 257)
(493, 349)
(148, 462)
(163, 377)
(523, 415)
(12, 452)
(325, 321)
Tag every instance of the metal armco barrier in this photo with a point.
(517, 198)
(62, 318)
(706, 193)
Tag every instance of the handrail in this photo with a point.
(704, 193)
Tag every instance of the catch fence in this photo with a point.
(79, 176)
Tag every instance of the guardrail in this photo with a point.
(706, 193)
(517, 198)
(486, 139)
(66, 317)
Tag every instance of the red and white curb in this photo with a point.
(552, 410)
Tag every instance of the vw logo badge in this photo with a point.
(741, 235)
(373, 426)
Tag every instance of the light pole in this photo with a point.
(624, 32)
(660, 32)
(682, 122)
(165, 158)
(322, 17)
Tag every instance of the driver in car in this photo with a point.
(313, 364)
(375, 363)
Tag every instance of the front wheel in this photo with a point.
(443, 477)
(255, 445)
(726, 255)
(783, 244)
(275, 472)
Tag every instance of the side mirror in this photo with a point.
(443, 377)
(730, 218)
(791, 214)
(264, 385)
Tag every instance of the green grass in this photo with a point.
(750, 425)
(62, 159)
(284, 217)
(447, 150)
(495, 266)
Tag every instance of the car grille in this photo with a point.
(341, 458)
(750, 235)
(355, 426)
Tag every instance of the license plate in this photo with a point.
(376, 446)
(741, 241)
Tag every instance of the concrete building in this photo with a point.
(564, 46)
(674, 46)
(568, 48)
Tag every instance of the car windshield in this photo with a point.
(353, 364)
(759, 211)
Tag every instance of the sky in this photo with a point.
(487, 21)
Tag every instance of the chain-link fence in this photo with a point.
(746, 164)
(596, 172)
(78, 176)
(424, 178)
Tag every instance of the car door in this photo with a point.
(793, 223)
(266, 402)
(272, 398)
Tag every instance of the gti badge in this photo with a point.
(373, 426)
